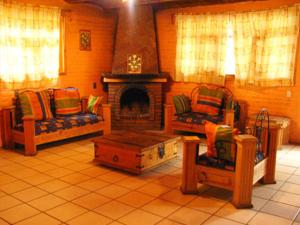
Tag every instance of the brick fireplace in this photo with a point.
(136, 97)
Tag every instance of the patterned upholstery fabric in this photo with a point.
(213, 162)
(182, 104)
(220, 141)
(197, 118)
(35, 104)
(208, 101)
(93, 104)
(62, 123)
(67, 101)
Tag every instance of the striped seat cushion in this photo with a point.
(35, 104)
(208, 101)
(182, 104)
(93, 104)
(67, 101)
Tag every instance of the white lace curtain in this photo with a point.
(263, 44)
(29, 45)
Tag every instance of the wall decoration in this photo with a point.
(85, 40)
(134, 63)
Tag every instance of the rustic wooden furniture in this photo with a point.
(241, 180)
(135, 152)
(28, 136)
(171, 119)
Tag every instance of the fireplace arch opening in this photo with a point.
(134, 104)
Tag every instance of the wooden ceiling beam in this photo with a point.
(157, 4)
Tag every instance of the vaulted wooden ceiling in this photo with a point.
(109, 4)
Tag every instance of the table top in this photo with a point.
(135, 140)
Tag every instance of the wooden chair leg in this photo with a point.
(189, 167)
(244, 171)
(269, 177)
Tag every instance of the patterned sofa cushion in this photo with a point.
(197, 118)
(62, 123)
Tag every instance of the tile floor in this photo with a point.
(61, 185)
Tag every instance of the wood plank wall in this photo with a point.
(275, 99)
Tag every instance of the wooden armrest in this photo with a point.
(12, 107)
(168, 117)
(28, 118)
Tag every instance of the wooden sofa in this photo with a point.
(245, 174)
(22, 130)
(177, 122)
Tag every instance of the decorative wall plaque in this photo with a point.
(134, 63)
(85, 40)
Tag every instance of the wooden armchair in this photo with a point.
(191, 124)
(245, 174)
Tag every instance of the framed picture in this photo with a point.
(85, 40)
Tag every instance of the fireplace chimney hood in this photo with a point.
(135, 54)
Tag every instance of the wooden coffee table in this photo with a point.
(135, 151)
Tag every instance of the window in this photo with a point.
(29, 45)
(258, 47)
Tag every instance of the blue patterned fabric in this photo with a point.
(62, 123)
(197, 118)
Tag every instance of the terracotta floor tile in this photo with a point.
(161, 207)
(168, 222)
(154, 189)
(189, 216)
(2, 222)
(113, 177)
(264, 218)
(59, 172)
(40, 219)
(280, 209)
(177, 197)
(18, 213)
(295, 179)
(5, 179)
(46, 202)
(44, 167)
(169, 181)
(66, 153)
(215, 220)
(78, 166)
(263, 192)
(8, 201)
(71, 193)
(29, 194)
(82, 158)
(258, 203)
(91, 201)
(113, 191)
(238, 215)
(93, 184)
(63, 162)
(206, 204)
(90, 218)
(285, 169)
(66, 211)
(31, 162)
(53, 185)
(287, 198)
(292, 188)
(217, 193)
(135, 199)
(131, 183)
(147, 218)
(95, 171)
(14, 186)
(75, 178)
(37, 179)
(281, 176)
(114, 209)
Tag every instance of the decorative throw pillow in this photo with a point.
(67, 101)
(93, 104)
(208, 101)
(182, 104)
(35, 104)
(220, 141)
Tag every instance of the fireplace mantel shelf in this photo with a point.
(135, 78)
